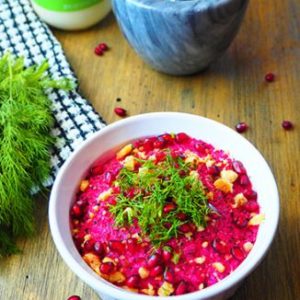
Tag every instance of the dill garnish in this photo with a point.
(156, 185)
(25, 123)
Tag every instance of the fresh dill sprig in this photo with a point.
(25, 140)
(155, 185)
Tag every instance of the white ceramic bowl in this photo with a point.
(119, 133)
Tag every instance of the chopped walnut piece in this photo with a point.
(93, 261)
(229, 175)
(84, 185)
(143, 272)
(256, 219)
(223, 185)
(239, 200)
(219, 267)
(149, 291)
(166, 289)
(124, 151)
(200, 260)
(116, 277)
(248, 246)
(104, 195)
(129, 162)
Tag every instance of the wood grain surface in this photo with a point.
(232, 90)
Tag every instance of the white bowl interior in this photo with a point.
(117, 134)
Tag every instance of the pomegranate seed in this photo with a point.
(167, 254)
(157, 270)
(185, 228)
(133, 281)
(103, 46)
(81, 203)
(112, 201)
(220, 246)
(181, 288)
(107, 268)
(238, 167)
(250, 194)
(148, 144)
(96, 170)
(154, 260)
(76, 211)
(241, 127)
(108, 178)
(167, 225)
(117, 246)
(213, 170)
(121, 112)
(98, 248)
(88, 245)
(160, 156)
(159, 143)
(169, 207)
(181, 216)
(269, 77)
(169, 276)
(200, 147)
(168, 138)
(287, 125)
(239, 220)
(181, 137)
(252, 206)
(238, 253)
(98, 51)
(244, 180)
(132, 245)
(74, 297)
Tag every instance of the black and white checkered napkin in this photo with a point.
(24, 34)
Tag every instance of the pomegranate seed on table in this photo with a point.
(241, 127)
(121, 112)
(270, 77)
(107, 268)
(287, 125)
(74, 297)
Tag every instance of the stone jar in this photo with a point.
(179, 37)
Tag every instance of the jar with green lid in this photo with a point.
(71, 14)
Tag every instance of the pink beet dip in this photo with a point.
(195, 256)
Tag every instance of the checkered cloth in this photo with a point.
(24, 34)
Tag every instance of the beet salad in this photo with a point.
(166, 215)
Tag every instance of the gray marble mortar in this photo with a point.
(179, 37)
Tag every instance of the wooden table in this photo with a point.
(232, 90)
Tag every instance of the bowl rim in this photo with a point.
(111, 290)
